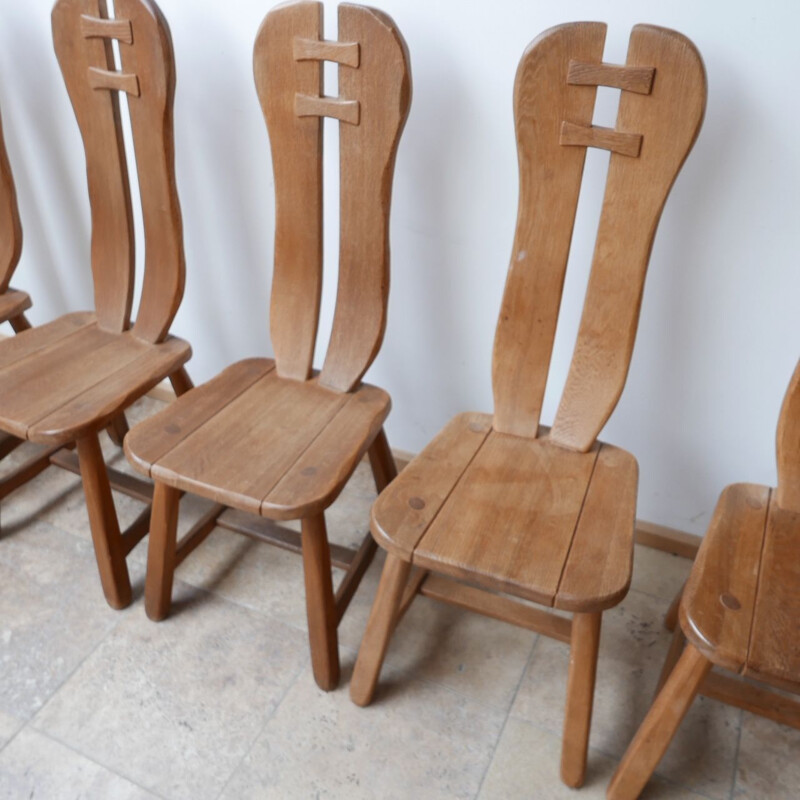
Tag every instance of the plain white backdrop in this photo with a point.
(720, 326)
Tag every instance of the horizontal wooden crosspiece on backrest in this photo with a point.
(10, 228)
(788, 446)
(663, 96)
(375, 89)
(83, 37)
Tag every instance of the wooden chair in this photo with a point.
(739, 611)
(273, 437)
(63, 382)
(500, 505)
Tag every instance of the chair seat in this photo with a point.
(60, 379)
(13, 303)
(741, 605)
(249, 439)
(517, 515)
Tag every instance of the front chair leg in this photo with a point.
(379, 630)
(320, 603)
(584, 643)
(108, 545)
(659, 726)
(161, 550)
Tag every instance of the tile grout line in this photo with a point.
(735, 775)
(536, 640)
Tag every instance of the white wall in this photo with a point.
(720, 325)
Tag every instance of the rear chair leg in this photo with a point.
(584, 644)
(108, 545)
(161, 550)
(117, 429)
(20, 323)
(673, 654)
(659, 726)
(379, 630)
(181, 382)
(320, 603)
(384, 469)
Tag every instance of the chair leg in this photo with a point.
(320, 603)
(20, 323)
(161, 550)
(108, 545)
(671, 618)
(117, 429)
(181, 382)
(584, 644)
(384, 469)
(659, 726)
(673, 654)
(379, 630)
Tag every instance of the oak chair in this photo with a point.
(61, 383)
(739, 611)
(274, 438)
(500, 505)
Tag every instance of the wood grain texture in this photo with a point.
(668, 119)
(10, 233)
(106, 166)
(296, 146)
(788, 446)
(382, 87)
(346, 53)
(12, 305)
(96, 27)
(626, 144)
(114, 81)
(716, 611)
(348, 111)
(631, 79)
(550, 180)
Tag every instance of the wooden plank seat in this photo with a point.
(249, 439)
(500, 510)
(516, 515)
(738, 612)
(278, 439)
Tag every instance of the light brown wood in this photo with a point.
(347, 111)
(788, 446)
(631, 79)
(668, 119)
(382, 462)
(346, 53)
(10, 233)
(668, 540)
(114, 81)
(95, 27)
(676, 645)
(580, 697)
(161, 552)
(659, 726)
(379, 630)
(626, 144)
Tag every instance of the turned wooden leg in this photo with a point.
(161, 551)
(181, 382)
(379, 630)
(659, 726)
(20, 323)
(584, 644)
(117, 429)
(382, 462)
(320, 603)
(671, 619)
(673, 654)
(108, 545)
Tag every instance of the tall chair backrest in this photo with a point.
(788, 446)
(661, 107)
(10, 228)
(375, 94)
(83, 36)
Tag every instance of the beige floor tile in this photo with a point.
(419, 741)
(526, 767)
(34, 765)
(658, 573)
(632, 650)
(175, 705)
(769, 760)
(52, 613)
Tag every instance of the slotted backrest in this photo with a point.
(83, 35)
(373, 102)
(662, 102)
(10, 228)
(788, 446)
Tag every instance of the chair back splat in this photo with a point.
(661, 109)
(83, 35)
(10, 227)
(375, 88)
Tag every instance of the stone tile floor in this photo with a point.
(218, 701)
